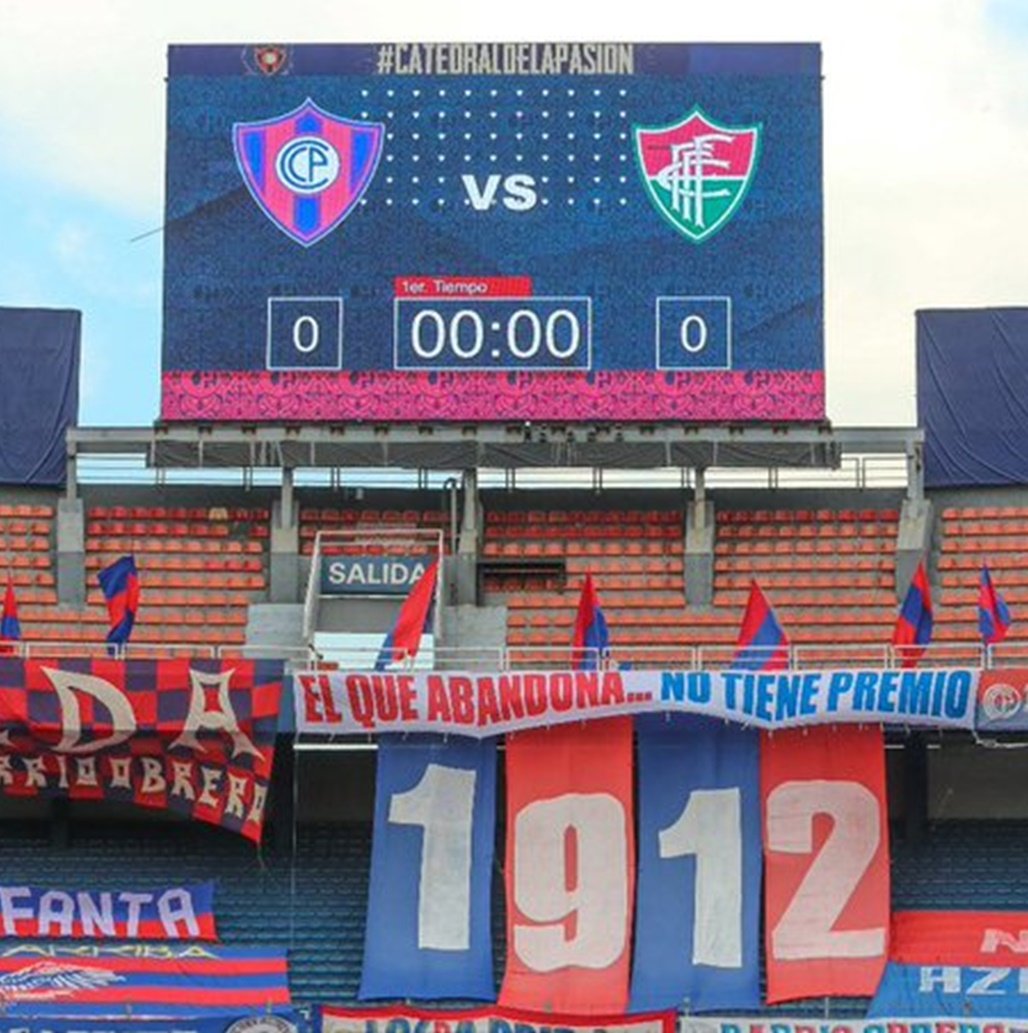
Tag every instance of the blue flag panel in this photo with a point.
(930, 990)
(698, 906)
(428, 933)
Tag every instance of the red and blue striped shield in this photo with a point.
(307, 169)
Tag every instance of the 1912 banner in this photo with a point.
(193, 736)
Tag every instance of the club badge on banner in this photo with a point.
(193, 736)
(428, 932)
(569, 869)
(826, 857)
(697, 928)
(1003, 700)
(482, 704)
(484, 1020)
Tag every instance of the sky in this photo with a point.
(925, 147)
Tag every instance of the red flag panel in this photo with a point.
(826, 850)
(570, 868)
(984, 939)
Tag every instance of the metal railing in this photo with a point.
(693, 658)
(854, 471)
(539, 658)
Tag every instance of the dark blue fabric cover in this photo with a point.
(39, 392)
(972, 395)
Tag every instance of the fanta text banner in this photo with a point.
(193, 736)
(478, 704)
(169, 913)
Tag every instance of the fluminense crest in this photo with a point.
(697, 171)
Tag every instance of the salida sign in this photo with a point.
(191, 736)
(371, 575)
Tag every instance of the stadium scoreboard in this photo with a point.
(494, 232)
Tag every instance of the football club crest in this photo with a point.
(307, 169)
(697, 171)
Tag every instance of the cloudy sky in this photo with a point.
(925, 130)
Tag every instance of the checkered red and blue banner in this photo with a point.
(140, 979)
(165, 913)
(192, 736)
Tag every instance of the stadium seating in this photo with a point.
(822, 569)
(368, 520)
(969, 537)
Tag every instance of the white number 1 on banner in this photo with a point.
(442, 803)
(710, 829)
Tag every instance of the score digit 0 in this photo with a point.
(694, 333)
(305, 334)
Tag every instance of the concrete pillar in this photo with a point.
(699, 547)
(284, 584)
(71, 553)
(913, 541)
(463, 572)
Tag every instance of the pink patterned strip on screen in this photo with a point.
(716, 396)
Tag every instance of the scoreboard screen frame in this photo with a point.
(481, 233)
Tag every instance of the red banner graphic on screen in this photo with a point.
(967, 938)
(570, 868)
(193, 736)
(826, 851)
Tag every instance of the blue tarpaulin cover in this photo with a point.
(972, 395)
(39, 392)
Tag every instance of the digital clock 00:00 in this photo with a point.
(533, 333)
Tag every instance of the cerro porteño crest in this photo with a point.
(307, 169)
(697, 171)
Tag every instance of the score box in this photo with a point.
(694, 333)
(305, 334)
(535, 333)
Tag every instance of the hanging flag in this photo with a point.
(404, 637)
(429, 899)
(913, 631)
(699, 846)
(762, 644)
(993, 612)
(826, 862)
(10, 628)
(120, 584)
(570, 869)
(590, 644)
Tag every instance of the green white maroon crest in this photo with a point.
(697, 171)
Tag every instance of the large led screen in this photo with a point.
(482, 232)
